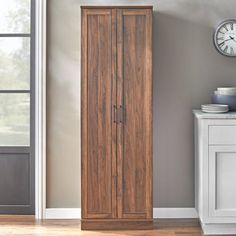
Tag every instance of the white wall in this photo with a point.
(187, 69)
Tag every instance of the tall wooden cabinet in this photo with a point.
(116, 117)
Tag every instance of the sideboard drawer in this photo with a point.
(222, 134)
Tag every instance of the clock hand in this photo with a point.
(224, 41)
(232, 38)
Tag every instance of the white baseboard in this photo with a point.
(174, 213)
(164, 213)
(63, 213)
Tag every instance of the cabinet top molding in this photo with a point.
(114, 7)
(202, 115)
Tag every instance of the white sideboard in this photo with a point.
(215, 171)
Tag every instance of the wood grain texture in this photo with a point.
(119, 101)
(118, 7)
(134, 94)
(27, 225)
(114, 125)
(98, 159)
(116, 224)
(84, 116)
(116, 117)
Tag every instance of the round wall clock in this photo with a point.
(225, 38)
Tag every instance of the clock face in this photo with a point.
(225, 38)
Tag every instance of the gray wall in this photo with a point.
(187, 69)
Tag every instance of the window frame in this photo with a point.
(31, 90)
(32, 208)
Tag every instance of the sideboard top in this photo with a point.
(203, 115)
(113, 7)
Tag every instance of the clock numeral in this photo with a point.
(231, 51)
(221, 44)
(220, 38)
(225, 49)
(225, 27)
(232, 26)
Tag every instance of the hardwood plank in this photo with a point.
(163, 223)
(27, 225)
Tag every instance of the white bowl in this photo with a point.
(227, 89)
(225, 92)
(225, 99)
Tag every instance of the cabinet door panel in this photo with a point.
(135, 98)
(222, 185)
(98, 130)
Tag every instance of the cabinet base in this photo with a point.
(114, 224)
(218, 229)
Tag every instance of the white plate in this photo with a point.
(226, 109)
(216, 109)
(207, 111)
(215, 106)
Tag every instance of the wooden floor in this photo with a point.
(27, 225)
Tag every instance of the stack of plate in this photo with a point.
(215, 108)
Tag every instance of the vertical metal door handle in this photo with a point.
(114, 114)
(122, 114)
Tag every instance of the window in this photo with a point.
(17, 96)
(16, 72)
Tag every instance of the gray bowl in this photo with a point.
(226, 100)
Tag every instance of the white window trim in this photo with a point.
(40, 109)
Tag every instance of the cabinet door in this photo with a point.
(222, 182)
(98, 98)
(134, 98)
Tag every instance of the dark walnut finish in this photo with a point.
(116, 117)
(118, 7)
